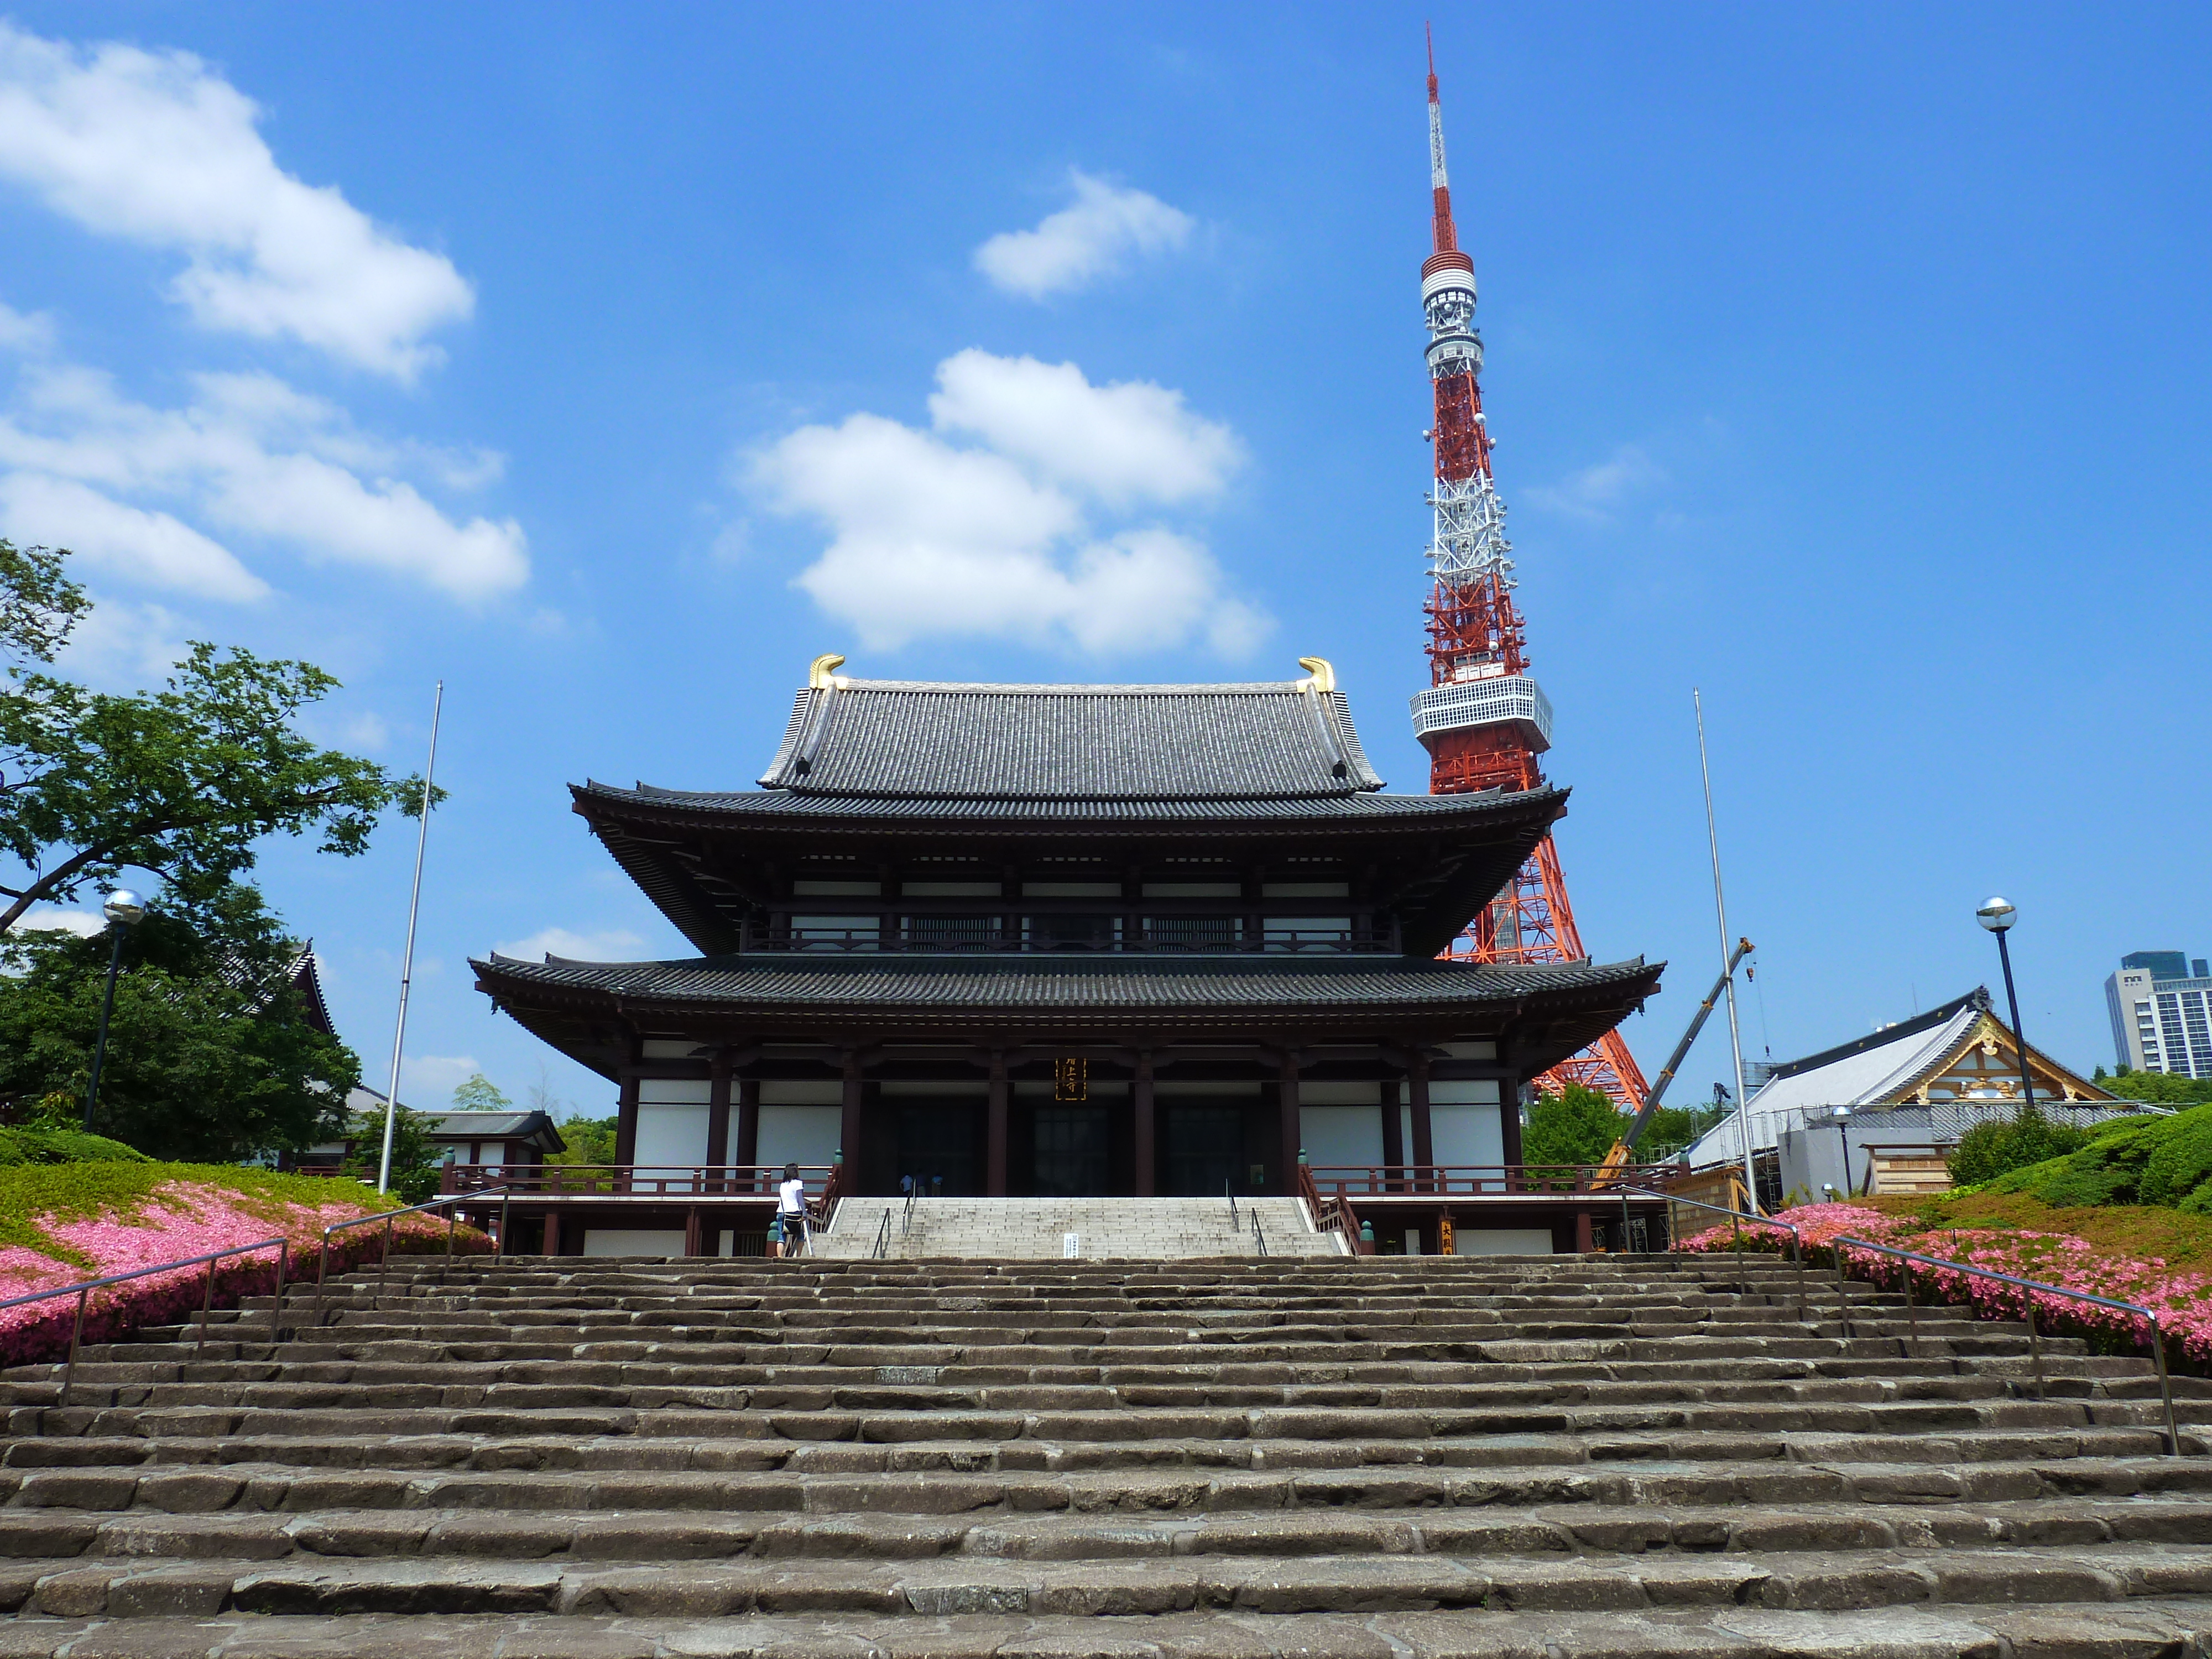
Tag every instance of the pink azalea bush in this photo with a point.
(179, 1219)
(2182, 1300)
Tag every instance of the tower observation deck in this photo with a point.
(1483, 717)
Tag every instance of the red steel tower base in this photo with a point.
(1483, 719)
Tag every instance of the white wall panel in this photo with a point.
(799, 1134)
(1466, 1134)
(672, 1135)
(1340, 1135)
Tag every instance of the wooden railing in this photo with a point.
(1332, 1213)
(718, 1181)
(1350, 1180)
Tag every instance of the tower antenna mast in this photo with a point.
(1484, 721)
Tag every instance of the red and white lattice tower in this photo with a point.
(1483, 721)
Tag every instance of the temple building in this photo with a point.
(1061, 940)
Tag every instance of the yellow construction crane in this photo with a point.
(1624, 1148)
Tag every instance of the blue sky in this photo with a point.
(611, 363)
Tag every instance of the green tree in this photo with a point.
(2159, 1088)
(478, 1093)
(1575, 1126)
(182, 781)
(415, 1159)
(590, 1140)
(210, 1055)
(1990, 1149)
(38, 604)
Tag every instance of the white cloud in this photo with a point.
(250, 455)
(1596, 493)
(55, 919)
(125, 647)
(613, 945)
(153, 547)
(1091, 238)
(30, 333)
(1129, 440)
(929, 540)
(158, 149)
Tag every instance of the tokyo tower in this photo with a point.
(1482, 719)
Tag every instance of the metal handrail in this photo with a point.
(1229, 1191)
(388, 1216)
(883, 1244)
(2035, 1341)
(1742, 1282)
(1259, 1237)
(84, 1294)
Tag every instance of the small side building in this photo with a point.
(1913, 1090)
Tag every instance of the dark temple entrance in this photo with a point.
(1073, 1152)
(1205, 1148)
(943, 1137)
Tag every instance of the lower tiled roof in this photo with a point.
(1045, 982)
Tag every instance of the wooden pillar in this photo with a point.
(718, 1118)
(747, 1153)
(1291, 1134)
(1583, 1243)
(848, 1125)
(995, 1137)
(1393, 1129)
(1509, 1118)
(695, 1232)
(552, 1245)
(1417, 1096)
(626, 1121)
(1145, 1118)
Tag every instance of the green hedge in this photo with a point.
(2163, 1161)
(63, 1146)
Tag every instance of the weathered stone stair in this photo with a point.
(1027, 1229)
(1547, 1458)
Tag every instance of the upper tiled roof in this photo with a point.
(898, 738)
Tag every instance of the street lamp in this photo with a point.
(124, 910)
(1998, 916)
(1843, 1117)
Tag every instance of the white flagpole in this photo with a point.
(1720, 917)
(407, 962)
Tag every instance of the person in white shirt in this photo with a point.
(791, 1211)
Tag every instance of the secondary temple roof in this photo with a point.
(1281, 740)
(1552, 1008)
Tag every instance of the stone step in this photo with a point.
(935, 1586)
(870, 1390)
(804, 1418)
(1589, 1531)
(1055, 1460)
(2168, 1625)
(835, 1479)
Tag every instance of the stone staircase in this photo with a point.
(1489, 1458)
(1032, 1229)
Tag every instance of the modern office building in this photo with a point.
(2161, 1003)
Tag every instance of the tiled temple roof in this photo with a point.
(896, 739)
(1044, 982)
